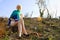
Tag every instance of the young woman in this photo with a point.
(16, 18)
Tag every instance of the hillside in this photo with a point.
(48, 29)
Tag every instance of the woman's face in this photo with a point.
(18, 7)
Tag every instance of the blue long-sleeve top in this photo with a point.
(16, 15)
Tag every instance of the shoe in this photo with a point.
(27, 35)
(18, 37)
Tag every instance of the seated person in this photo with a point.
(16, 18)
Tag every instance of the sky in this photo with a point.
(54, 7)
(7, 6)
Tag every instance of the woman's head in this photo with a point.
(18, 7)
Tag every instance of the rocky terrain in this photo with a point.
(47, 29)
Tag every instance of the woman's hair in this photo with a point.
(18, 7)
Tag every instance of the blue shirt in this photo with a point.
(16, 15)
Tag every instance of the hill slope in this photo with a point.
(47, 29)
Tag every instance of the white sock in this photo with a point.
(19, 34)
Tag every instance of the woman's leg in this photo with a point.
(19, 28)
(23, 28)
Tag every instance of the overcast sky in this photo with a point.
(7, 6)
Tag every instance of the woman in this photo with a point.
(16, 18)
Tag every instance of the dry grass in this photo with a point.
(38, 30)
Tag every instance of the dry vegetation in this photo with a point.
(48, 29)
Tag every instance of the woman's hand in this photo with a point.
(21, 16)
